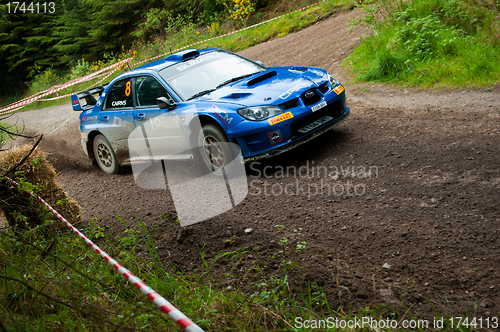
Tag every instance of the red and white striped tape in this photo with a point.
(177, 316)
(69, 94)
(36, 94)
(54, 89)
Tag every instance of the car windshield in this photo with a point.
(207, 72)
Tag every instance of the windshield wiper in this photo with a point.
(201, 93)
(234, 79)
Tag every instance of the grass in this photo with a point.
(3, 135)
(275, 29)
(67, 286)
(71, 288)
(51, 280)
(429, 43)
(5, 129)
(186, 36)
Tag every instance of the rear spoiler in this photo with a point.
(88, 95)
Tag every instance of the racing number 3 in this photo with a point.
(127, 88)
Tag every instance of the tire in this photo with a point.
(214, 149)
(105, 156)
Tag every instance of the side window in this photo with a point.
(120, 95)
(147, 89)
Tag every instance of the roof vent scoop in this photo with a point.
(183, 55)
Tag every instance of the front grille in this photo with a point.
(333, 111)
(310, 97)
(323, 88)
(289, 104)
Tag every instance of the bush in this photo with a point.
(35, 174)
(429, 42)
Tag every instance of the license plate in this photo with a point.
(319, 106)
(315, 124)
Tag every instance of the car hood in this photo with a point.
(271, 87)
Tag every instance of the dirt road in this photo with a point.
(397, 206)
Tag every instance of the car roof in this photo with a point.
(174, 58)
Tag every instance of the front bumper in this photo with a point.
(300, 141)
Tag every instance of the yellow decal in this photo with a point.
(280, 118)
(127, 88)
(83, 135)
(338, 90)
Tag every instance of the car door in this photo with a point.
(116, 118)
(162, 128)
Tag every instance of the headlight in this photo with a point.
(333, 81)
(258, 113)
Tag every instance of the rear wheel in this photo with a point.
(214, 149)
(104, 155)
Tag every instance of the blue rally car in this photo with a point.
(205, 98)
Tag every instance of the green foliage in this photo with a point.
(154, 23)
(82, 68)
(74, 288)
(112, 21)
(429, 42)
(4, 137)
(24, 184)
(86, 35)
(241, 10)
(24, 40)
(71, 288)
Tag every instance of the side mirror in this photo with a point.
(164, 102)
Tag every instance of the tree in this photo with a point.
(25, 47)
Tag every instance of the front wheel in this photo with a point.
(214, 149)
(105, 156)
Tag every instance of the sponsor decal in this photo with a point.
(157, 122)
(338, 90)
(280, 118)
(122, 124)
(296, 88)
(89, 118)
(221, 114)
(103, 94)
(275, 137)
(83, 135)
(128, 88)
(119, 103)
(75, 101)
(99, 102)
(198, 60)
(165, 121)
(171, 121)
